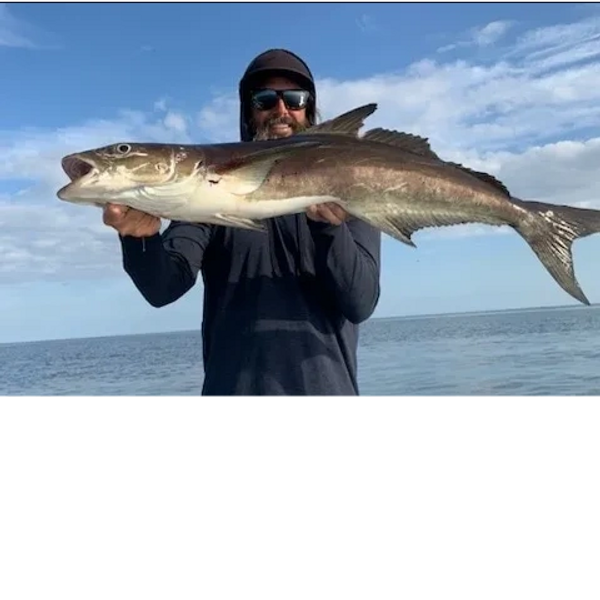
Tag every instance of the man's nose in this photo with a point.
(280, 108)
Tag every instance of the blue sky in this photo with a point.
(513, 89)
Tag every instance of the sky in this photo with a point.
(512, 89)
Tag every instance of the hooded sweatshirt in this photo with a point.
(282, 309)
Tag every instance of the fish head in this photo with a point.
(119, 171)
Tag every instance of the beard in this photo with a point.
(264, 132)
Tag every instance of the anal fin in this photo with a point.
(401, 225)
(393, 228)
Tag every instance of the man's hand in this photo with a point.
(129, 221)
(327, 213)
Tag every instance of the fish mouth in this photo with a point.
(81, 172)
(77, 167)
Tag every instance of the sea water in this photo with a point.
(552, 351)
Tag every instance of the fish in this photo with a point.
(391, 179)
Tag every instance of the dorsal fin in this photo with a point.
(348, 123)
(400, 139)
(420, 146)
(486, 177)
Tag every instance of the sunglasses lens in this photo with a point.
(267, 99)
(295, 99)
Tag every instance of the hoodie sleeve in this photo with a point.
(347, 261)
(165, 266)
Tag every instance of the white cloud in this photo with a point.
(36, 153)
(461, 105)
(549, 39)
(40, 235)
(45, 239)
(16, 33)
(535, 128)
(219, 120)
(176, 122)
(485, 35)
(490, 33)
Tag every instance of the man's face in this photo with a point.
(274, 119)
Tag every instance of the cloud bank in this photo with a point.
(529, 115)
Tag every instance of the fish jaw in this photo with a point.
(83, 173)
(101, 176)
(190, 196)
(92, 182)
(93, 191)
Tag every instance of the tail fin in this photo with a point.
(551, 234)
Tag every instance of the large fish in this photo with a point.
(390, 179)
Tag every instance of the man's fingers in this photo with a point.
(129, 221)
(313, 212)
(327, 213)
(117, 209)
(330, 214)
(113, 214)
(338, 211)
(128, 227)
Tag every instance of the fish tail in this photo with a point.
(550, 230)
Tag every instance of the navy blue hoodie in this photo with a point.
(281, 310)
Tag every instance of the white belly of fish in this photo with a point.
(188, 200)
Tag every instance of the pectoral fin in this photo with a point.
(242, 176)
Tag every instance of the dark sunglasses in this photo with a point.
(266, 99)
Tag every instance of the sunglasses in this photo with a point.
(266, 99)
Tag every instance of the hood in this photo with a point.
(274, 62)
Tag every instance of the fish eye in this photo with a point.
(123, 148)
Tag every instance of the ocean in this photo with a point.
(549, 351)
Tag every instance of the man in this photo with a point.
(281, 310)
